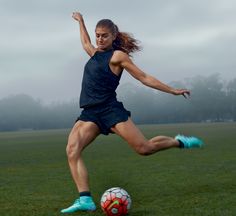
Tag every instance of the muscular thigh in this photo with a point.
(129, 132)
(82, 134)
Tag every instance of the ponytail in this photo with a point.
(125, 42)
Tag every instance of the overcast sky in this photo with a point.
(41, 54)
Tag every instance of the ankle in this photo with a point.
(181, 144)
(85, 193)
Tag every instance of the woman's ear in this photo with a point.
(114, 36)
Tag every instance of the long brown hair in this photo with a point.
(124, 41)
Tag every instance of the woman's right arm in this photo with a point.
(84, 36)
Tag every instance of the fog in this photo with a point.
(212, 100)
(41, 55)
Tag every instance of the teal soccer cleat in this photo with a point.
(84, 203)
(189, 142)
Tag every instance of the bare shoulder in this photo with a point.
(117, 61)
(119, 57)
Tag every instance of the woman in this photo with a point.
(102, 113)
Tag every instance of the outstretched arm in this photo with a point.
(148, 80)
(84, 36)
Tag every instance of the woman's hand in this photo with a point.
(77, 16)
(184, 92)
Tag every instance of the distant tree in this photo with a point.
(19, 112)
(231, 98)
(208, 98)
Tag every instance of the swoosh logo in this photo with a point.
(114, 203)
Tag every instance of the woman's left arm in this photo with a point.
(147, 79)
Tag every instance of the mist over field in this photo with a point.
(212, 100)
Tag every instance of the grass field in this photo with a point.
(35, 179)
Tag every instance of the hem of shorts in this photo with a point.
(86, 120)
(117, 122)
(109, 127)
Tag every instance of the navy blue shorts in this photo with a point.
(105, 116)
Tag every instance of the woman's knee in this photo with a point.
(142, 148)
(72, 150)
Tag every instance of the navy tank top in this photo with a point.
(99, 82)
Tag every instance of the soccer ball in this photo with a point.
(115, 202)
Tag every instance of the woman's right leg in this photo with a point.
(81, 135)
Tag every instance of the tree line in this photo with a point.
(212, 99)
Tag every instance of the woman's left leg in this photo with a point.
(129, 132)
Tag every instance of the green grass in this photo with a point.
(35, 179)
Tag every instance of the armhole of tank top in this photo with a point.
(118, 76)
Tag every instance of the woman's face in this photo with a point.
(104, 38)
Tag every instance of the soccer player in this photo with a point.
(102, 113)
